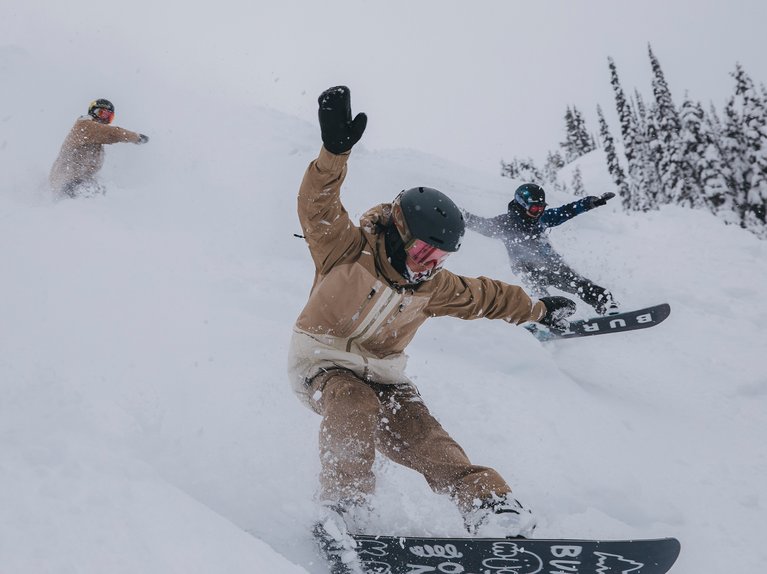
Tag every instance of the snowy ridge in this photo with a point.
(146, 422)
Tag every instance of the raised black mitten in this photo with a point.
(339, 131)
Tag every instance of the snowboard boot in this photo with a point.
(331, 531)
(607, 305)
(500, 517)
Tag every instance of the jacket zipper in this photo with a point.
(372, 320)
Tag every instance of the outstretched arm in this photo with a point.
(106, 134)
(482, 297)
(487, 226)
(558, 215)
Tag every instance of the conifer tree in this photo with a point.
(754, 123)
(732, 148)
(668, 126)
(691, 151)
(743, 143)
(578, 189)
(522, 169)
(568, 146)
(613, 163)
(713, 171)
(577, 142)
(627, 122)
(583, 140)
(631, 142)
(722, 203)
(648, 153)
(554, 163)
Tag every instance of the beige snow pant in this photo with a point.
(360, 417)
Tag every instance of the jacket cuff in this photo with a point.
(538, 311)
(328, 161)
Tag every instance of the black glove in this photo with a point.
(339, 131)
(142, 139)
(595, 201)
(558, 309)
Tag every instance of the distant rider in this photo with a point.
(523, 231)
(82, 154)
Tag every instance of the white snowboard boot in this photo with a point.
(332, 534)
(607, 305)
(500, 517)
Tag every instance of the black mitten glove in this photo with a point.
(558, 309)
(601, 200)
(339, 131)
(142, 139)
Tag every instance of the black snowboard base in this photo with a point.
(627, 321)
(406, 555)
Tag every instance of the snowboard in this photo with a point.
(628, 321)
(405, 555)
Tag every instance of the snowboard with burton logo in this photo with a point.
(406, 555)
(628, 321)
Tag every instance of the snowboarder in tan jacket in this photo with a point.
(374, 286)
(82, 154)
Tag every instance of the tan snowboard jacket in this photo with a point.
(82, 153)
(361, 313)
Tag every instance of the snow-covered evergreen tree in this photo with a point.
(754, 124)
(554, 162)
(584, 141)
(713, 171)
(568, 146)
(613, 163)
(732, 148)
(667, 123)
(743, 146)
(578, 188)
(690, 152)
(649, 151)
(631, 142)
(578, 141)
(523, 169)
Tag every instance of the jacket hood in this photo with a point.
(373, 224)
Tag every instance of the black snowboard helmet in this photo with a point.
(101, 110)
(531, 198)
(429, 215)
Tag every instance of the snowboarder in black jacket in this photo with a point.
(523, 231)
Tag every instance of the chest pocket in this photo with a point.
(402, 322)
(363, 308)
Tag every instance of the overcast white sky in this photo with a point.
(471, 81)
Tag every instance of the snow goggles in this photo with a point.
(426, 255)
(104, 115)
(536, 209)
(417, 250)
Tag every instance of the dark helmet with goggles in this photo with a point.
(430, 227)
(429, 215)
(531, 198)
(101, 110)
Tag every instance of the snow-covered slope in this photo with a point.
(146, 422)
